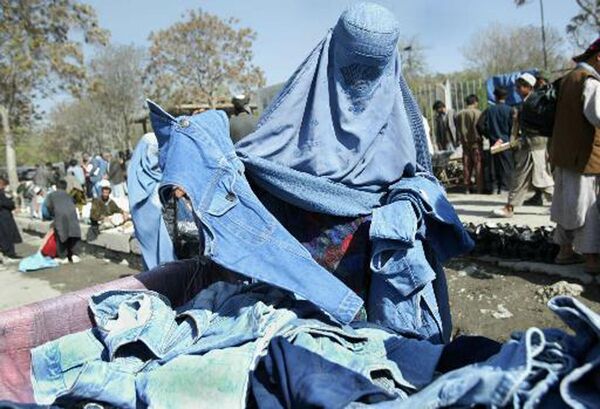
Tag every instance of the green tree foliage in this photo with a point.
(501, 48)
(201, 60)
(40, 55)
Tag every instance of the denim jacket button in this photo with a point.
(184, 123)
(230, 197)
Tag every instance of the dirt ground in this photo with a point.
(494, 301)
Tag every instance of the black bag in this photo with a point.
(539, 109)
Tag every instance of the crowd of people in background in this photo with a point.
(522, 150)
(90, 190)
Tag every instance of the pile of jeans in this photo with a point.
(513, 242)
(252, 345)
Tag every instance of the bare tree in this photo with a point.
(202, 59)
(500, 48)
(116, 88)
(412, 53)
(584, 27)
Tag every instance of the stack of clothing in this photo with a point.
(331, 218)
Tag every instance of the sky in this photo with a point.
(288, 29)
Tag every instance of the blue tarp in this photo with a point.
(36, 262)
(507, 81)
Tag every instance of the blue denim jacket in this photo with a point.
(415, 230)
(238, 232)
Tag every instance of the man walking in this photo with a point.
(575, 153)
(531, 166)
(466, 130)
(9, 233)
(66, 224)
(497, 125)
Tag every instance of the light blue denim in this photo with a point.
(416, 230)
(138, 334)
(143, 178)
(237, 232)
(144, 353)
(397, 364)
(581, 387)
(537, 368)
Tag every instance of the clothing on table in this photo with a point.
(445, 131)
(144, 353)
(64, 215)
(9, 232)
(575, 209)
(143, 178)
(546, 368)
(291, 376)
(237, 231)
(129, 359)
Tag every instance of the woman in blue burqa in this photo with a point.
(344, 140)
(346, 116)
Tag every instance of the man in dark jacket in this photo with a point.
(497, 127)
(9, 233)
(66, 225)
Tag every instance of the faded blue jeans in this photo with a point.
(238, 233)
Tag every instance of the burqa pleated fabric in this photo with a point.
(346, 114)
(143, 178)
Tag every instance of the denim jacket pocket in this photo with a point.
(401, 296)
(222, 196)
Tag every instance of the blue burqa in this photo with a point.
(143, 178)
(345, 116)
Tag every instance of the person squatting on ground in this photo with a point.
(105, 213)
(530, 159)
(62, 210)
(471, 141)
(575, 155)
